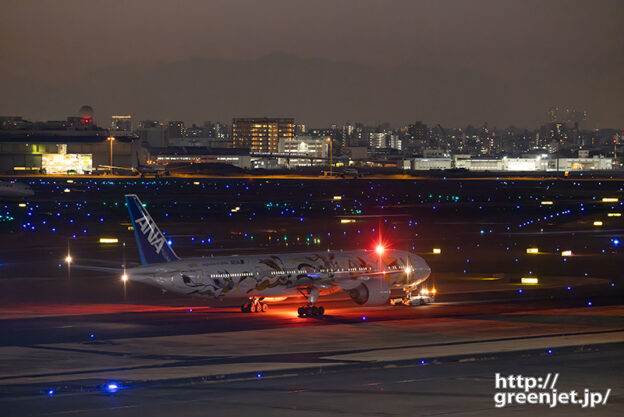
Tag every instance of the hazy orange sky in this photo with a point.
(541, 52)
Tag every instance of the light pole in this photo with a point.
(111, 140)
(330, 156)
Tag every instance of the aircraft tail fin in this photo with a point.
(152, 244)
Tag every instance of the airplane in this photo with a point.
(367, 276)
(344, 172)
(350, 172)
(15, 189)
(143, 169)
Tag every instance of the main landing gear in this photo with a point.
(254, 306)
(310, 310)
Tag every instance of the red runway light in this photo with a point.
(380, 249)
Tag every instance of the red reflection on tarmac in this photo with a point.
(31, 310)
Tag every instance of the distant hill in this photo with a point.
(314, 91)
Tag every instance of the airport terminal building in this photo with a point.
(62, 152)
(71, 146)
(177, 155)
(522, 164)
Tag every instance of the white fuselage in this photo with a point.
(281, 274)
(150, 169)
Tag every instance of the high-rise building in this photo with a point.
(153, 133)
(557, 132)
(175, 129)
(122, 122)
(378, 140)
(346, 135)
(360, 135)
(394, 141)
(261, 134)
(195, 132)
(553, 114)
(417, 136)
(300, 129)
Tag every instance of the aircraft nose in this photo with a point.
(421, 269)
(422, 273)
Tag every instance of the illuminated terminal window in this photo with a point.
(57, 163)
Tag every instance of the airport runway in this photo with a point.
(187, 358)
(66, 337)
(453, 388)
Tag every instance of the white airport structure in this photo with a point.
(315, 147)
(522, 164)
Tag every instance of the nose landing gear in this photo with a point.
(310, 310)
(254, 306)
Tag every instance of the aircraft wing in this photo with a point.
(116, 167)
(97, 268)
(91, 265)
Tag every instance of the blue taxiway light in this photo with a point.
(258, 375)
(51, 392)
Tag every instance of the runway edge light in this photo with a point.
(109, 240)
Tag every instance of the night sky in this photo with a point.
(451, 62)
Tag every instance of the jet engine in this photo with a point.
(374, 292)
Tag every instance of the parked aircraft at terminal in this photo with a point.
(142, 169)
(366, 275)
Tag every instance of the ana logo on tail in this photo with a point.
(155, 238)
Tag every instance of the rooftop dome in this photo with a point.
(86, 112)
